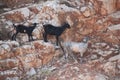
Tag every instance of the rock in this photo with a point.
(93, 57)
(6, 47)
(114, 58)
(104, 50)
(94, 18)
(114, 27)
(31, 72)
(15, 17)
(16, 3)
(25, 12)
(115, 15)
(109, 5)
(77, 72)
(86, 11)
(118, 6)
(101, 77)
(8, 64)
(11, 43)
(109, 68)
(12, 78)
(103, 11)
(118, 64)
(27, 56)
(34, 10)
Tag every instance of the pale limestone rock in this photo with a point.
(115, 15)
(114, 58)
(12, 78)
(6, 47)
(101, 77)
(86, 11)
(31, 72)
(118, 64)
(114, 27)
(25, 12)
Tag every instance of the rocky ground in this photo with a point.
(38, 60)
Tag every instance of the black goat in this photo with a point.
(54, 30)
(24, 29)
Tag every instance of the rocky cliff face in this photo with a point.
(98, 19)
(16, 60)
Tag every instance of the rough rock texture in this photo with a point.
(13, 3)
(118, 6)
(79, 72)
(98, 19)
(15, 59)
(109, 5)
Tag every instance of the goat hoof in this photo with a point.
(46, 41)
(57, 47)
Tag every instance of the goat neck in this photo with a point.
(66, 25)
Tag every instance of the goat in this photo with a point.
(54, 30)
(24, 29)
(77, 47)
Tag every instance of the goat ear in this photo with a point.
(14, 25)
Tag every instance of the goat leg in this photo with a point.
(14, 36)
(29, 37)
(57, 40)
(32, 38)
(45, 37)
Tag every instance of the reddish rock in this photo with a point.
(92, 20)
(97, 5)
(108, 37)
(34, 10)
(109, 68)
(103, 11)
(109, 5)
(118, 4)
(17, 3)
(8, 64)
(113, 20)
(15, 17)
(34, 54)
(76, 72)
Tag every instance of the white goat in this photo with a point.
(77, 47)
